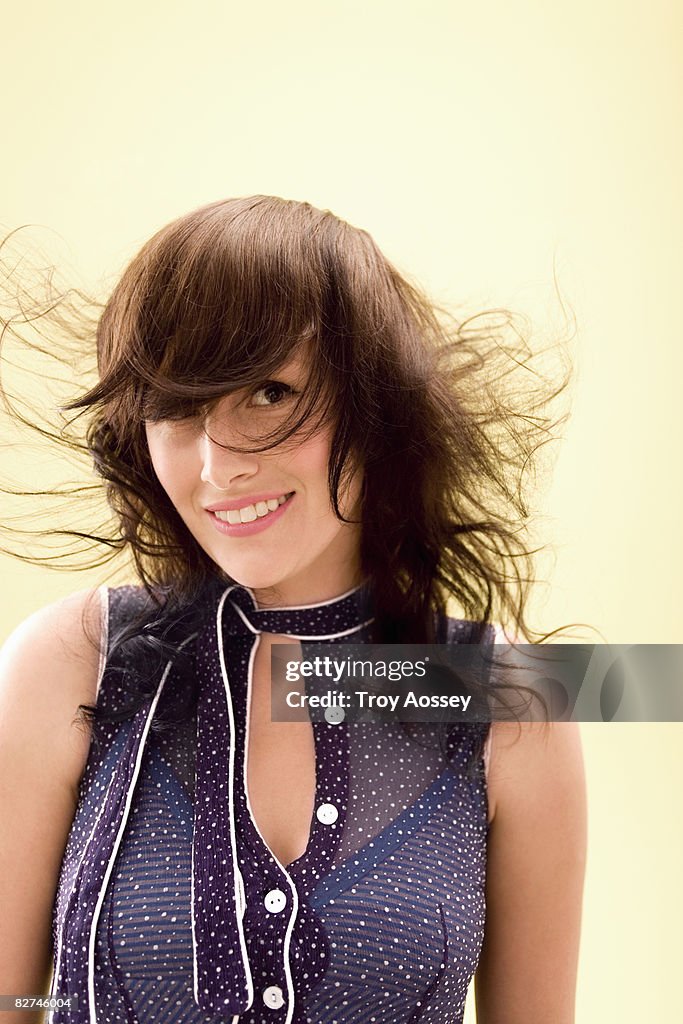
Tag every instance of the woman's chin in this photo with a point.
(269, 586)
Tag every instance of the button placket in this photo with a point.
(271, 904)
(271, 912)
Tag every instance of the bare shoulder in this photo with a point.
(70, 622)
(536, 855)
(66, 632)
(535, 765)
(48, 667)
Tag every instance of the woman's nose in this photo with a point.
(222, 466)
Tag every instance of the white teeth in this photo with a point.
(250, 513)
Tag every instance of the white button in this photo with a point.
(273, 997)
(275, 901)
(334, 714)
(327, 813)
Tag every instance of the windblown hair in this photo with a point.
(444, 419)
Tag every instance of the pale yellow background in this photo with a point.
(485, 146)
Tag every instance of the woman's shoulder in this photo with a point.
(526, 764)
(74, 629)
(67, 631)
(50, 665)
(534, 768)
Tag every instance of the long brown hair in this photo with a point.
(444, 416)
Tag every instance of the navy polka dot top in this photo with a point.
(171, 908)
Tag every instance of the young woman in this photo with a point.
(296, 447)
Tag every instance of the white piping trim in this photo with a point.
(242, 903)
(231, 806)
(486, 752)
(295, 895)
(329, 636)
(244, 619)
(103, 591)
(294, 607)
(300, 636)
(112, 859)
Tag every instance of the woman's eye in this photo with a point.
(271, 393)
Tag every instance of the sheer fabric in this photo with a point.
(170, 906)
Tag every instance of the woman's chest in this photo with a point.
(387, 898)
(396, 925)
(280, 767)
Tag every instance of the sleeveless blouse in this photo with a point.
(171, 908)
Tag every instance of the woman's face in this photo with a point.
(264, 518)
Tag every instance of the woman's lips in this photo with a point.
(246, 529)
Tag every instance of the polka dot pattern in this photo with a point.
(170, 906)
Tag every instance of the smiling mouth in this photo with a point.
(250, 513)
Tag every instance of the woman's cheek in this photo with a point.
(169, 460)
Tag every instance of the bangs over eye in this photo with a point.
(157, 406)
